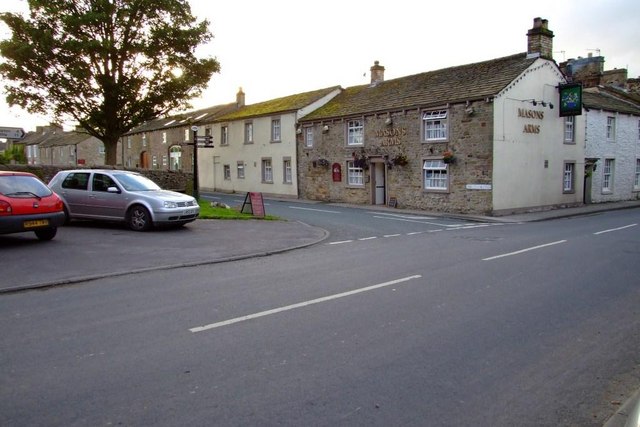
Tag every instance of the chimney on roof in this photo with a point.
(377, 73)
(540, 40)
(240, 98)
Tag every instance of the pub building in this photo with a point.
(483, 138)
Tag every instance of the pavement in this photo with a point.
(103, 251)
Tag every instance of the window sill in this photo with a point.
(433, 190)
(355, 187)
(435, 141)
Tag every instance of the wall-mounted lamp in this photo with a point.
(299, 131)
(469, 111)
(543, 103)
(388, 121)
(325, 128)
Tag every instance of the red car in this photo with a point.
(27, 204)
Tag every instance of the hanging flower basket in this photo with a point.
(400, 160)
(448, 157)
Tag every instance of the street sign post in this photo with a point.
(11, 133)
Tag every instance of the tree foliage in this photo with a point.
(109, 65)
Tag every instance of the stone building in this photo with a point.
(51, 145)
(477, 138)
(167, 143)
(254, 146)
(612, 145)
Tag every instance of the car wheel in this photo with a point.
(46, 233)
(139, 218)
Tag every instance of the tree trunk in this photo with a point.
(110, 151)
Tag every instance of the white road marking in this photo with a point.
(415, 232)
(315, 210)
(524, 250)
(419, 222)
(401, 216)
(391, 235)
(340, 242)
(301, 304)
(615, 229)
(369, 238)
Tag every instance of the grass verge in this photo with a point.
(209, 212)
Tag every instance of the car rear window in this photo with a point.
(23, 186)
(76, 181)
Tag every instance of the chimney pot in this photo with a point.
(377, 73)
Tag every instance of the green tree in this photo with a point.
(109, 65)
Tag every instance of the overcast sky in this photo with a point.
(282, 47)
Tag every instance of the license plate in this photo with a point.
(36, 223)
(189, 212)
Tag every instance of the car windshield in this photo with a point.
(132, 182)
(23, 186)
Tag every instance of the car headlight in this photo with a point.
(170, 205)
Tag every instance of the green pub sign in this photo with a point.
(570, 99)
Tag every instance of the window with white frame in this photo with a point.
(267, 171)
(355, 132)
(435, 175)
(611, 128)
(435, 125)
(607, 175)
(227, 172)
(248, 133)
(568, 181)
(355, 174)
(286, 164)
(187, 131)
(636, 182)
(569, 129)
(144, 139)
(129, 142)
(308, 137)
(164, 137)
(275, 130)
(154, 161)
(224, 135)
(165, 160)
(240, 170)
(101, 149)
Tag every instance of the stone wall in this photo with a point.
(170, 180)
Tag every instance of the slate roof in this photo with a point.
(603, 99)
(204, 115)
(279, 105)
(65, 138)
(448, 85)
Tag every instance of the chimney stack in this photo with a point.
(540, 40)
(377, 73)
(240, 98)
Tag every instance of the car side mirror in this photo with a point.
(113, 190)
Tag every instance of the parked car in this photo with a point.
(117, 195)
(27, 204)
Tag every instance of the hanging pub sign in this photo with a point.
(570, 99)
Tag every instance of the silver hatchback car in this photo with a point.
(117, 195)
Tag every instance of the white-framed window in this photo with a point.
(154, 161)
(101, 150)
(240, 170)
(175, 155)
(129, 142)
(607, 175)
(187, 131)
(611, 129)
(224, 135)
(436, 175)
(164, 137)
(276, 135)
(435, 125)
(165, 161)
(636, 182)
(355, 132)
(227, 172)
(569, 129)
(568, 180)
(355, 174)
(144, 139)
(207, 131)
(308, 137)
(267, 171)
(248, 133)
(288, 177)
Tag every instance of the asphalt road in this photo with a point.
(522, 324)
